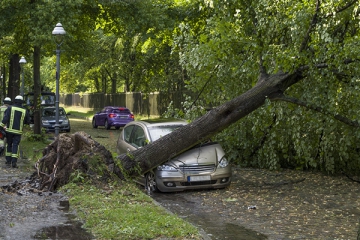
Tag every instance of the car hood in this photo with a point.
(205, 154)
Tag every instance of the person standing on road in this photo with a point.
(7, 103)
(14, 119)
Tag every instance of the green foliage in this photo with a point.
(77, 176)
(190, 110)
(32, 137)
(221, 46)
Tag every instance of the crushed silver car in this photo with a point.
(203, 166)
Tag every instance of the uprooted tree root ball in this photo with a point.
(70, 157)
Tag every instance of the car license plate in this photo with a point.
(198, 178)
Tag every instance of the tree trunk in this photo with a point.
(3, 82)
(37, 91)
(14, 76)
(214, 121)
(113, 83)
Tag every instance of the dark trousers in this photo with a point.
(12, 147)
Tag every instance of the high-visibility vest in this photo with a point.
(16, 121)
(2, 111)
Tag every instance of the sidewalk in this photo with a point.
(25, 214)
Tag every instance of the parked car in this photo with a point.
(47, 99)
(203, 166)
(48, 119)
(112, 117)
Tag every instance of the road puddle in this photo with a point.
(71, 230)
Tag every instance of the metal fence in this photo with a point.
(137, 102)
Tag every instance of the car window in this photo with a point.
(138, 137)
(121, 110)
(62, 112)
(157, 132)
(52, 112)
(127, 133)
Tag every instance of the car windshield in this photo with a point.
(51, 112)
(157, 132)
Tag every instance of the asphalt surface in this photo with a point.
(29, 215)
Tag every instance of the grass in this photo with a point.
(120, 210)
(124, 212)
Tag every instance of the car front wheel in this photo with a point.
(94, 123)
(150, 182)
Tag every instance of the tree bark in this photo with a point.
(37, 91)
(14, 76)
(214, 121)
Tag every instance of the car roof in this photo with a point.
(160, 122)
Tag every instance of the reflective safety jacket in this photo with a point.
(2, 111)
(14, 119)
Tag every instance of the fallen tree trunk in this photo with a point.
(212, 122)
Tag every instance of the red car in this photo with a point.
(112, 117)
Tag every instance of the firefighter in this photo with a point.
(14, 119)
(7, 103)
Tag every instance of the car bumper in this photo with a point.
(176, 181)
(119, 123)
(61, 128)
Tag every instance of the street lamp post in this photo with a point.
(22, 63)
(58, 33)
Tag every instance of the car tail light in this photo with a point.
(112, 115)
(132, 116)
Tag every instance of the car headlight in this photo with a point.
(65, 122)
(166, 168)
(45, 122)
(223, 162)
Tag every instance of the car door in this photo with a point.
(138, 138)
(101, 116)
(132, 137)
(123, 144)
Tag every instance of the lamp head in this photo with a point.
(22, 60)
(58, 33)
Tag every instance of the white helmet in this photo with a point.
(7, 100)
(18, 99)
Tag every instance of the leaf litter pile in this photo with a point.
(288, 204)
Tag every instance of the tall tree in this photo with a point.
(226, 47)
(29, 25)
